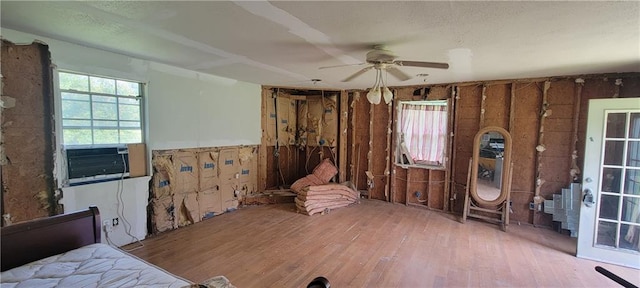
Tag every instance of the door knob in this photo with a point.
(588, 198)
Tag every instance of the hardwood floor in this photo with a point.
(372, 244)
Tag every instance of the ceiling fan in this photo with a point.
(382, 59)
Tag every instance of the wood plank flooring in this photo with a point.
(372, 244)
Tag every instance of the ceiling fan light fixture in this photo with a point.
(387, 95)
(374, 95)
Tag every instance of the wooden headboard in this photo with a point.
(26, 242)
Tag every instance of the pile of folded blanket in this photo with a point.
(322, 198)
(317, 195)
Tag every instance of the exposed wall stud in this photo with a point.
(577, 99)
(370, 153)
(262, 152)
(512, 108)
(544, 112)
(449, 158)
(355, 155)
(342, 136)
(455, 95)
(483, 105)
(388, 150)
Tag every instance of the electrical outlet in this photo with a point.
(106, 226)
(115, 221)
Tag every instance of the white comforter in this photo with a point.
(95, 265)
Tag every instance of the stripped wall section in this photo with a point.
(27, 133)
(190, 185)
(306, 132)
(540, 123)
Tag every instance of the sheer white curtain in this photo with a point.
(424, 128)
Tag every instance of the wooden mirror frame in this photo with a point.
(505, 186)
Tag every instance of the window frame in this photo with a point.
(141, 110)
(398, 159)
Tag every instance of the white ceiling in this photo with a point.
(284, 43)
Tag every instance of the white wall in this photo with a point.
(183, 109)
(189, 109)
(126, 200)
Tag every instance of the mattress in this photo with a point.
(95, 265)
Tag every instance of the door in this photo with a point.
(610, 212)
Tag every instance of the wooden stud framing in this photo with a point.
(354, 157)
(575, 170)
(394, 143)
(483, 105)
(262, 152)
(540, 148)
(342, 136)
(512, 108)
(455, 96)
(406, 194)
(388, 152)
(370, 153)
(428, 192)
(448, 172)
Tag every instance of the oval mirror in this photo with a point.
(490, 173)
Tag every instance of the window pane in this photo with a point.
(104, 111)
(74, 96)
(75, 109)
(629, 237)
(134, 124)
(100, 124)
(611, 180)
(609, 207)
(632, 182)
(128, 88)
(130, 136)
(607, 233)
(129, 112)
(630, 209)
(634, 126)
(76, 123)
(613, 152)
(127, 100)
(633, 154)
(616, 124)
(103, 85)
(76, 136)
(104, 99)
(105, 136)
(73, 81)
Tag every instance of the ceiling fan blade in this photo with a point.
(422, 64)
(357, 74)
(395, 72)
(343, 65)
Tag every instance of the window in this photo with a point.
(422, 137)
(98, 110)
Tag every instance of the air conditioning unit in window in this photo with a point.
(87, 165)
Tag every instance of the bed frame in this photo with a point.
(26, 242)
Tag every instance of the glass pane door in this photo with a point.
(619, 196)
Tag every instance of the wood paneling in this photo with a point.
(372, 244)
